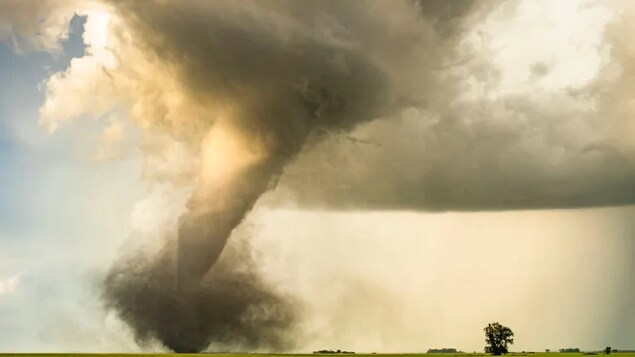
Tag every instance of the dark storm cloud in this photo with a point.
(447, 16)
(470, 161)
(539, 148)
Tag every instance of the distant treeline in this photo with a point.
(444, 350)
(337, 351)
(570, 350)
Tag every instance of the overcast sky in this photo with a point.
(441, 167)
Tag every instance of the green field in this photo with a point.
(541, 354)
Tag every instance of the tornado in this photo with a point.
(270, 79)
(274, 97)
(183, 297)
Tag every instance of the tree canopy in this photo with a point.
(497, 338)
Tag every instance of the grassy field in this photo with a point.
(541, 354)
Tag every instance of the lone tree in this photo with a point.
(607, 350)
(497, 337)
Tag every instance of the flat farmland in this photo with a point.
(513, 354)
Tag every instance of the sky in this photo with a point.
(50, 249)
(393, 175)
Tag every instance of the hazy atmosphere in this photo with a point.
(288, 176)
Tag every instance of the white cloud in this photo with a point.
(9, 285)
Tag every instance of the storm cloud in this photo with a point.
(536, 117)
(404, 105)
